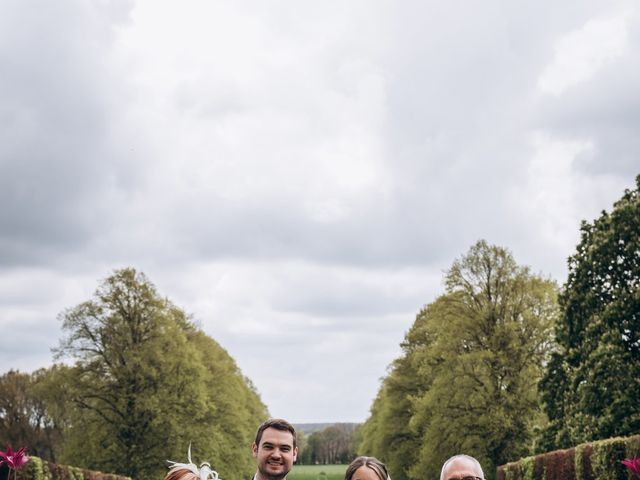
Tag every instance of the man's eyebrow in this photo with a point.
(281, 445)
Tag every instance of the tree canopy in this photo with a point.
(591, 387)
(467, 380)
(147, 382)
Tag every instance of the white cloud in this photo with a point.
(582, 53)
(554, 195)
(552, 186)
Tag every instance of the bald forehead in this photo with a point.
(460, 467)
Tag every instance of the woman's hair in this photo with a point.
(181, 473)
(190, 471)
(369, 462)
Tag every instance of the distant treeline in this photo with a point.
(145, 383)
(333, 444)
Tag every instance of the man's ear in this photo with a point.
(295, 454)
(254, 449)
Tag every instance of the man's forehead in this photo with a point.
(277, 437)
(461, 464)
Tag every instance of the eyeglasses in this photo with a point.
(468, 477)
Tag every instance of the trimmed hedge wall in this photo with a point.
(38, 469)
(600, 460)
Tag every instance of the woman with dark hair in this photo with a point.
(366, 468)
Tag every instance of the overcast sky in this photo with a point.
(298, 175)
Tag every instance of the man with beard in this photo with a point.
(274, 449)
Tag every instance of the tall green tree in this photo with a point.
(234, 410)
(591, 387)
(470, 379)
(146, 382)
(387, 433)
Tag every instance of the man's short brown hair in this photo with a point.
(278, 424)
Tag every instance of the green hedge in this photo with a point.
(38, 469)
(599, 460)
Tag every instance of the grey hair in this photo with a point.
(461, 457)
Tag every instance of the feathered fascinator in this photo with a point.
(204, 472)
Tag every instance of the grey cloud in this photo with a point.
(115, 152)
(457, 105)
(56, 161)
(332, 300)
(291, 382)
(26, 343)
(347, 300)
(280, 230)
(610, 119)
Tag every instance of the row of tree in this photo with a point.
(145, 383)
(502, 364)
(27, 416)
(334, 444)
(505, 364)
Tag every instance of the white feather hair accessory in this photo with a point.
(203, 473)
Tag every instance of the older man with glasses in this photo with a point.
(461, 467)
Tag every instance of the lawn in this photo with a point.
(317, 472)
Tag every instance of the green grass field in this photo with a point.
(317, 472)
